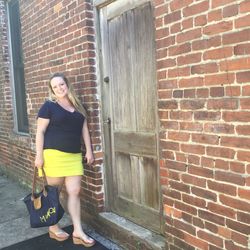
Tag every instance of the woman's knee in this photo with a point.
(73, 186)
(74, 190)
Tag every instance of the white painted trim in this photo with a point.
(120, 6)
(12, 83)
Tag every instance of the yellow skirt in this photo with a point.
(60, 164)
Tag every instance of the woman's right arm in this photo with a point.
(42, 125)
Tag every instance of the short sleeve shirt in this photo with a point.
(64, 130)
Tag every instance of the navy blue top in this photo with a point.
(64, 131)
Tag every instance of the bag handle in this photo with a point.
(34, 182)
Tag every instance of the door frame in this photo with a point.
(105, 111)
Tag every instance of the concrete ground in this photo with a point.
(14, 218)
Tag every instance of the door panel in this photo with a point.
(129, 61)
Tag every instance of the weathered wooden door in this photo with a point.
(129, 110)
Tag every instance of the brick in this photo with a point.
(181, 115)
(205, 194)
(189, 35)
(231, 10)
(242, 22)
(196, 9)
(230, 245)
(165, 42)
(167, 84)
(214, 15)
(189, 59)
(237, 226)
(177, 72)
(207, 116)
(178, 136)
(194, 180)
(189, 93)
(224, 232)
(161, 33)
(193, 149)
(194, 241)
(194, 159)
(243, 129)
(217, 3)
(219, 79)
(236, 37)
(238, 142)
(240, 116)
(222, 187)
(172, 17)
(243, 77)
(200, 20)
(246, 90)
(179, 4)
(211, 217)
(218, 53)
(243, 217)
(216, 91)
(207, 162)
(233, 91)
(239, 238)
(217, 28)
(191, 82)
(245, 103)
(191, 104)
(168, 145)
(243, 156)
(187, 24)
(202, 93)
(207, 43)
(220, 152)
(179, 166)
(230, 177)
(244, 193)
(205, 139)
(200, 171)
(237, 167)
(180, 49)
(215, 240)
(222, 210)
(224, 103)
(235, 203)
(190, 126)
(161, 10)
(204, 68)
(167, 104)
(242, 49)
(245, 6)
(238, 64)
(186, 208)
(175, 28)
(185, 227)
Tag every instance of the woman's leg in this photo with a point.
(73, 187)
(57, 181)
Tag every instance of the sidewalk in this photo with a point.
(15, 230)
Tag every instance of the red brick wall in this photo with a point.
(204, 108)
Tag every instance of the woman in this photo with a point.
(61, 124)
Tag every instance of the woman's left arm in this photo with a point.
(86, 137)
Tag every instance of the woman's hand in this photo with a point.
(89, 157)
(38, 162)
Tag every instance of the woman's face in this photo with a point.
(59, 87)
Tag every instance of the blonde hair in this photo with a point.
(71, 94)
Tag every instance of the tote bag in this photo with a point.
(44, 207)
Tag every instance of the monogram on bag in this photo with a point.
(44, 207)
